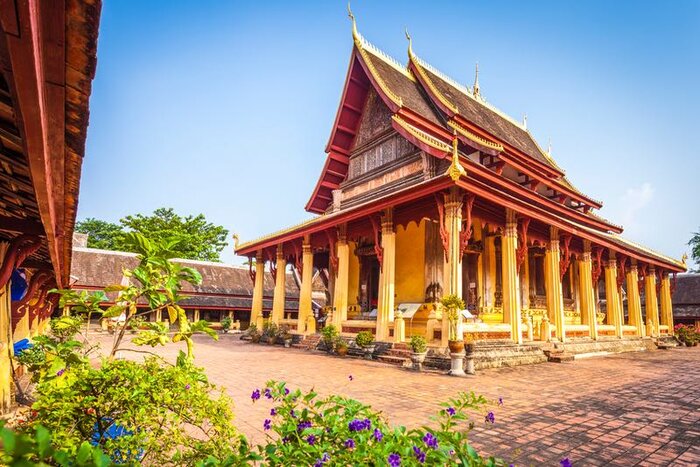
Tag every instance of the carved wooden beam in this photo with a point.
(378, 250)
(298, 263)
(621, 263)
(467, 230)
(25, 226)
(20, 249)
(332, 254)
(595, 273)
(273, 266)
(565, 259)
(642, 275)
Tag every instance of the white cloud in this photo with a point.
(634, 200)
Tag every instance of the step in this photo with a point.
(561, 357)
(399, 361)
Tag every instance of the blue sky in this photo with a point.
(225, 108)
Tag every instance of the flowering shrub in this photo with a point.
(334, 430)
(364, 338)
(687, 334)
(329, 334)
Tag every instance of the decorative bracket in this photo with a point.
(565, 259)
(659, 275)
(444, 236)
(38, 280)
(20, 249)
(521, 253)
(332, 256)
(595, 273)
(378, 250)
(621, 264)
(251, 270)
(642, 275)
(298, 263)
(273, 267)
(467, 230)
(673, 283)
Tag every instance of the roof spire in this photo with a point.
(355, 34)
(476, 91)
(525, 121)
(410, 44)
(549, 147)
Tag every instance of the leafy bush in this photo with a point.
(270, 330)
(418, 344)
(334, 430)
(226, 323)
(364, 338)
(329, 334)
(138, 411)
(452, 305)
(687, 334)
(340, 343)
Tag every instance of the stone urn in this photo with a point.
(368, 350)
(469, 358)
(341, 350)
(418, 358)
(457, 364)
(287, 343)
(456, 346)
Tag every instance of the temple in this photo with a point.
(429, 190)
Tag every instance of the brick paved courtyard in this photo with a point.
(627, 409)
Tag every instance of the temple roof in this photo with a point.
(686, 296)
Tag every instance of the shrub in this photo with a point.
(418, 344)
(335, 430)
(137, 412)
(269, 330)
(329, 334)
(226, 323)
(340, 343)
(687, 334)
(364, 338)
(452, 306)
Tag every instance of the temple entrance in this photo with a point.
(369, 283)
(470, 282)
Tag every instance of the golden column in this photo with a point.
(509, 269)
(555, 299)
(453, 225)
(278, 300)
(342, 279)
(634, 301)
(256, 312)
(612, 301)
(585, 280)
(305, 319)
(651, 302)
(385, 312)
(666, 306)
(5, 342)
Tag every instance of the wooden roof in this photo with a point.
(47, 63)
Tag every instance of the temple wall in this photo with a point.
(410, 263)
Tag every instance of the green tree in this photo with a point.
(101, 234)
(695, 245)
(198, 239)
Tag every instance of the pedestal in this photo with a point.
(469, 367)
(457, 364)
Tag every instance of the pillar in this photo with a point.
(509, 269)
(634, 302)
(385, 311)
(555, 299)
(651, 302)
(612, 301)
(342, 279)
(452, 267)
(256, 312)
(490, 270)
(279, 298)
(666, 306)
(399, 328)
(6, 341)
(307, 274)
(159, 315)
(586, 292)
(195, 316)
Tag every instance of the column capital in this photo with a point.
(280, 251)
(587, 247)
(259, 258)
(388, 221)
(511, 229)
(453, 200)
(553, 244)
(611, 263)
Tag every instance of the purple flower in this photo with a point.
(285, 440)
(350, 443)
(350, 377)
(273, 412)
(490, 417)
(301, 426)
(60, 372)
(378, 435)
(267, 424)
(255, 395)
(430, 440)
(187, 387)
(565, 462)
(311, 439)
(325, 458)
(394, 460)
(451, 411)
(359, 425)
(268, 393)
(500, 401)
(286, 391)
(420, 455)
(294, 415)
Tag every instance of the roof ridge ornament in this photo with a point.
(525, 121)
(549, 147)
(410, 45)
(476, 91)
(355, 34)
(456, 170)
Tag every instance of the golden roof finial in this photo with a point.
(684, 259)
(525, 121)
(355, 34)
(475, 90)
(456, 170)
(549, 147)
(410, 44)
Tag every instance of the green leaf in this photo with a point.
(113, 311)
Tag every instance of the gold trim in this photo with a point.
(427, 80)
(249, 243)
(475, 138)
(421, 135)
(456, 170)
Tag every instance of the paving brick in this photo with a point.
(638, 408)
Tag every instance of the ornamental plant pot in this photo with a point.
(469, 348)
(369, 350)
(456, 346)
(254, 339)
(288, 343)
(342, 351)
(418, 357)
